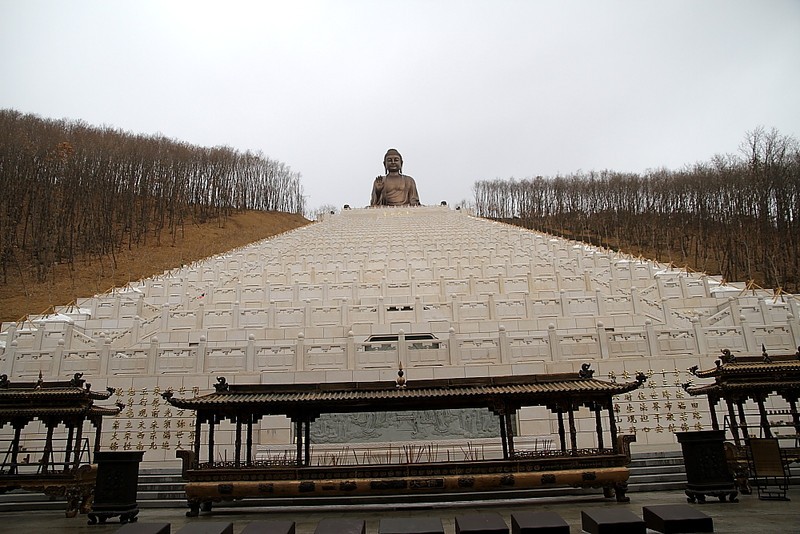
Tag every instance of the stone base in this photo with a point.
(488, 523)
(538, 523)
(417, 525)
(341, 526)
(145, 528)
(269, 527)
(675, 518)
(207, 527)
(603, 521)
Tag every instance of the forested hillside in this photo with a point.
(735, 215)
(73, 192)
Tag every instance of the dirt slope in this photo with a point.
(22, 296)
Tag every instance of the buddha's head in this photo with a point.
(393, 161)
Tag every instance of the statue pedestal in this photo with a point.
(706, 467)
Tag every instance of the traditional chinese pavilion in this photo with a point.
(738, 379)
(55, 465)
(604, 464)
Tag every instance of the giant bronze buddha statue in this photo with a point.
(394, 188)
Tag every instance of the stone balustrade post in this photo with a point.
(667, 312)
(765, 313)
(402, 347)
(452, 347)
(58, 356)
(652, 338)
(152, 356)
(600, 300)
(736, 310)
(684, 283)
(602, 340)
(69, 332)
(345, 311)
(105, 356)
(381, 311)
(11, 356)
(699, 336)
(636, 301)
(706, 285)
(300, 352)
(164, 317)
(505, 347)
(236, 314)
(351, 351)
(250, 353)
(8, 353)
(562, 302)
(200, 316)
(794, 328)
(552, 340)
(749, 336)
(200, 362)
(307, 313)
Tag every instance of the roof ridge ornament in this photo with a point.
(401, 380)
(585, 371)
(727, 357)
(221, 385)
(77, 380)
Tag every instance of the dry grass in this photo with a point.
(22, 296)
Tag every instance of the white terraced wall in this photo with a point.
(300, 307)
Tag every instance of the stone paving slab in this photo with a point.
(748, 515)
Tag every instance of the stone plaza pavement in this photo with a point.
(748, 515)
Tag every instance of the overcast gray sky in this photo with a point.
(466, 90)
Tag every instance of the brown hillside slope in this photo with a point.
(22, 296)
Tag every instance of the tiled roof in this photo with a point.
(521, 390)
(736, 368)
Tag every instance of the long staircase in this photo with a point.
(662, 471)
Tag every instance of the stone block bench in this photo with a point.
(486, 523)
(538, 523)
(610, 521)
(675, 518)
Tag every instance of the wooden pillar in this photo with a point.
(298, 432)
(712, 401)
(573, 432)
(198, 427)
(742, 419)
(237, 460)
(78, 446)
(211, 423)
(734, 423)
(15, 447)
(48, 448)
(795, 415)
(510, 432)
(762, 412)
(561, 435)
(612, 423)
(249, 460)
(503, 437)
(307, 441)
(598, 424)
(68, 450)
(98, 431)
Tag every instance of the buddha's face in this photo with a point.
(393, 163)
